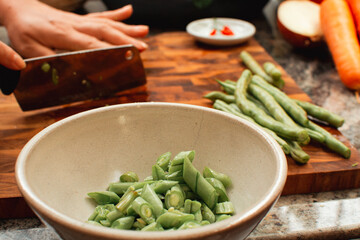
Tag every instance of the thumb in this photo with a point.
(9, 58)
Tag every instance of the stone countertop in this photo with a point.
(329, 215)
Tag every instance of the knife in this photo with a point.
(73, 76)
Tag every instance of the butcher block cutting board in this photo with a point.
(178, 70)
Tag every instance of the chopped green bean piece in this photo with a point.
(120, 187)
(190, 225)
(149, 195)
(175, 197)
(163, 186)
(222, 217)
(144, 209)
(210, 173)
(94, 223)
(157, 173)
(139, 223)
(164, 160)
(174, 219)
(199, 185)
(129, 177)
(104, 197)
(207, 214)
(153, 227)
(224, 208)
(220, 189)
(113, 215)
(127, 199)
(179, 158)
(123, 223)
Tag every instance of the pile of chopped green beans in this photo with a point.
(257, 97)
(176, 196)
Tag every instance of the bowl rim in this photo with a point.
(41, 209)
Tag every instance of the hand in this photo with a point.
(36, 29)
(9, 58)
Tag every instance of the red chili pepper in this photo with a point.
(227, 31)
(213, 32)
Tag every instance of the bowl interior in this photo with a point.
(86, 152)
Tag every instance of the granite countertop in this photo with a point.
(329, 215)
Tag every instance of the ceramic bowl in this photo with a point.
(203, 31)
(85, 152)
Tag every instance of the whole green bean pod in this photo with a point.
(277, 111)
(227, 87)
(321, 113)
(220, 95)
(290, 106)
(199, 185)
(254, 66)
(272, 70)
(331, 142)
(233, 109)
(260, 116)
(297, 153)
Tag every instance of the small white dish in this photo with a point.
(201, 30)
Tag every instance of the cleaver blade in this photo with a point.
(74, 76)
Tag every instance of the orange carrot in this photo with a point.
(355, 8)
(340, 34)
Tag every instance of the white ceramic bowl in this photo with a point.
(85, 152)
(201, 29)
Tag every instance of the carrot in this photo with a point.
(340, 34)
(355, 8)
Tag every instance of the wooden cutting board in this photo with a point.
(178, 70)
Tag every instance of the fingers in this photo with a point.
(116, 15)
(115, 37)
(9, 58)
(31, 48)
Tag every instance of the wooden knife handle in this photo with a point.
(8, 80)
